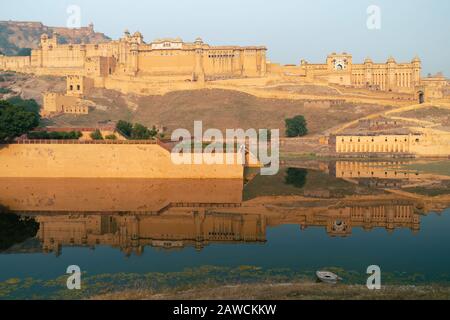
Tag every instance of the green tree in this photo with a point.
(296, 177)
(154, 132)
(296, 127)
(15, 120)
(28, 104)
(96, 135)
(124, 128)
(140, 132)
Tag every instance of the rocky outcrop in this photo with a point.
(17, 35)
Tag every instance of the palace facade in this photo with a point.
(131, 56)
(129, 64)
(388, 76)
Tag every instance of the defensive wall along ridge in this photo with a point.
(104, 160)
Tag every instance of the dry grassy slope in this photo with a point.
(217, 109)
(29, 86)
(231, 109)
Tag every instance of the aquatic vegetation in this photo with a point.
(189, 279)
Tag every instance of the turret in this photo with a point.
(391, 79)
(138, 37)
(417, 68)
(199, 72)
(416, 60)
(126, 34)
(368, 61)
(368, 65)
(44, 40)
(54, 40)
(391, 61)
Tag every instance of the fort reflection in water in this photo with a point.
(173, 214)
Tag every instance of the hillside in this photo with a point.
(15, 35)
(217, 108)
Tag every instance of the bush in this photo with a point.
(29, 105)
(96, 135)
(15, 120)
(111, 137)
(136, 131)
(140, 132)
(296, 177)
(296, 127)
(124, 128)
(44, 135)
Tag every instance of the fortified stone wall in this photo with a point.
(68, 159)
(8, 63)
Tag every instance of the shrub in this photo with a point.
(15, 120)
(96, 135)
(136, 131)
(29, 104)
(296, 177)
(125, 128)
(296, 127)
(111, 137)
(140, 132)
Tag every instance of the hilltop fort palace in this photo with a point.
(132, 65)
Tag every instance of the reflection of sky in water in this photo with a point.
(287, 247)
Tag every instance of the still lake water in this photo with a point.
(343, 216)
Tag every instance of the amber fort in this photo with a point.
(131, 65)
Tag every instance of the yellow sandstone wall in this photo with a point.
(103, 161)
(8, 63)
(114, 195)
(423, 145)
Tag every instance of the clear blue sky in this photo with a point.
(291, 29)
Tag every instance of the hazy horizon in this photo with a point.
(291, 29)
